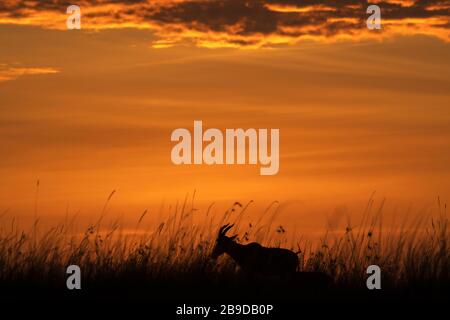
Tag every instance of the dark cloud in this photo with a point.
(219, 15)
(237, 19)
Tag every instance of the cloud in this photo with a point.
(13, 72)
(241, 23)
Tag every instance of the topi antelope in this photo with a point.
(254, 258)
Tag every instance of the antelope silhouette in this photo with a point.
(253, 259)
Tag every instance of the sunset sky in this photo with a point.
(89, 111)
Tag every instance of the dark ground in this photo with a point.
(136, 297)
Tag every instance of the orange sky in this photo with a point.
(89, 111)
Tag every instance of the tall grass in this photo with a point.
(177, 250)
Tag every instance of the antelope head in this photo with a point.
(223, 242)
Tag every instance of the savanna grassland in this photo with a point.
(172, 259)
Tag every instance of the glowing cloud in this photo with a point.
(11, 73)
(240, 23)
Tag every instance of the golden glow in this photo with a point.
(403, 3)
(90, 111)
(13, 72)
(438, 7)
(287, 8)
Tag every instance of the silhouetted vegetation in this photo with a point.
(173, 260)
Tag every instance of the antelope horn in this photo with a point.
(222, 228)
(227, 227)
